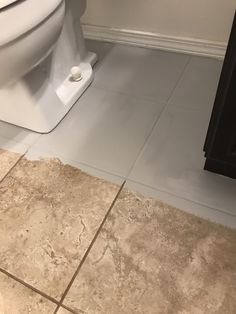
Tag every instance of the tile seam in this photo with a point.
(25, 284)
(89, 248)
(181, 197)
(166, 106)
(13, 167)
(37, 291)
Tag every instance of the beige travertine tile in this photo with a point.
(17, 299)
(63, 311)
(50, 213)
(152, 258)
(7, 161)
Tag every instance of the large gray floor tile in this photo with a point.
(17, 134)
(105, 130)
(198, 85)
(12, 146)
(102, 49)
(173, 161)
(140, 72)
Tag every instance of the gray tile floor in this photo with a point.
(144, 119)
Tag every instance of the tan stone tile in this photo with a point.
(63, 311)
(7, 161)
(50, 213)
(17, 299)
(152, 258)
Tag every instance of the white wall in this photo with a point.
(207, 20)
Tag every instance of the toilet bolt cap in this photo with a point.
(76, 73)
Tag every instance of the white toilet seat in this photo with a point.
(36, 92)
(26, 20)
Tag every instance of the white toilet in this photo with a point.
(40, 42)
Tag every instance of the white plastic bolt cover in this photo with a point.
(76, 73)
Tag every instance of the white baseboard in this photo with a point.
(157, 41)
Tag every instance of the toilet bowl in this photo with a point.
(42, 41)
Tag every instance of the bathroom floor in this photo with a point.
(87, 229)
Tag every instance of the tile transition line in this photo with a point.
(10, 170)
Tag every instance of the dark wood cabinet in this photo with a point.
(220, 144)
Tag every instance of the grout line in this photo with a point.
(80, 163)
(29, 286)
(159, 116)
(10, 170)
(89, 248)
(145, 98)
(27, 145)
(18, 279)
(146, 140)
(70, 310)
(180, 79)
(126, 94)
(35, 141)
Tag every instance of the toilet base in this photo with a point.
(33, 103)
